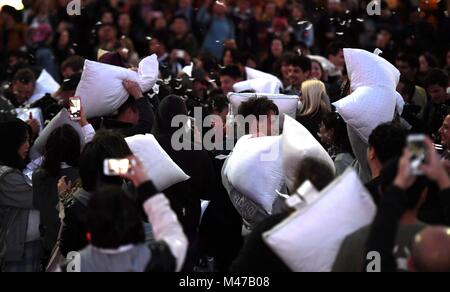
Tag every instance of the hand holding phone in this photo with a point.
(117, 167)
(130, 168)
(75, 108)
(418, 150)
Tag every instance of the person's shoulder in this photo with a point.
(39, 174)
(8, 173)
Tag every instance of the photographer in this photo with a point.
(394, 203)
(437, 109)
(116, 233)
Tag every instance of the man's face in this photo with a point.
(227, 84)
(444, 131)
(437, 94)
(68, 72)
(338, 60)
(154, 46)
(297, 76)
(179, 26)
(22, 91)
(405, 69)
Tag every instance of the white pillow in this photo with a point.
(59, 120)
(299, 144)
(366, 108)
(258, 85)
(255, 169)
(160, 167)
(309, 240)
(44, 84)
(24, 115)
(287, 104)
(374, 97)
(368, 69)
(101, 89)
(256, 74)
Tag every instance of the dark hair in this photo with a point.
(63, 145)
(76, 63)
(412, 60)
(113, 219)
(300, 61)
(388, 141)
(388, 175)
(410, 87)
(25, 76)
(179, 16)
(234, 54)
(105, 145)
(436, 77)
(14, 134)
(232, 71)
(431, 59)
(218, 103)
(71, 83)
(257, 107)
(316, 171)
(16, 14)
(129, 104)
(335, 122)
(335, 47)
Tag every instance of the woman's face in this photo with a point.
(316, 71)
(24, 148)
(277, 48)
(228, 59)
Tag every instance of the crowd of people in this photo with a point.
(61, 201)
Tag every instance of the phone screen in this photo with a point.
(75, 108)
(116, 167)
(417, 147)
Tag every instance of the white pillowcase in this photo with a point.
(366, 108)
(258, 85)
(101, 89)
(256, 74)
(44, 84)
(299, 144)
(368, 69)
(309, 240)
(374, 98)
(255, 169)
(287, 104)
(59, 120)
(162, 170)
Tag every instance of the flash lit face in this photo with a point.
(22, 91)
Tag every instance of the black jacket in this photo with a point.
(45, 196)
(185, 196)
(256, 256)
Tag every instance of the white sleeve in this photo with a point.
(166, 227)
(88, 132)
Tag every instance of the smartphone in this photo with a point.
(117, 167)
(417, 147)
(75, 108)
